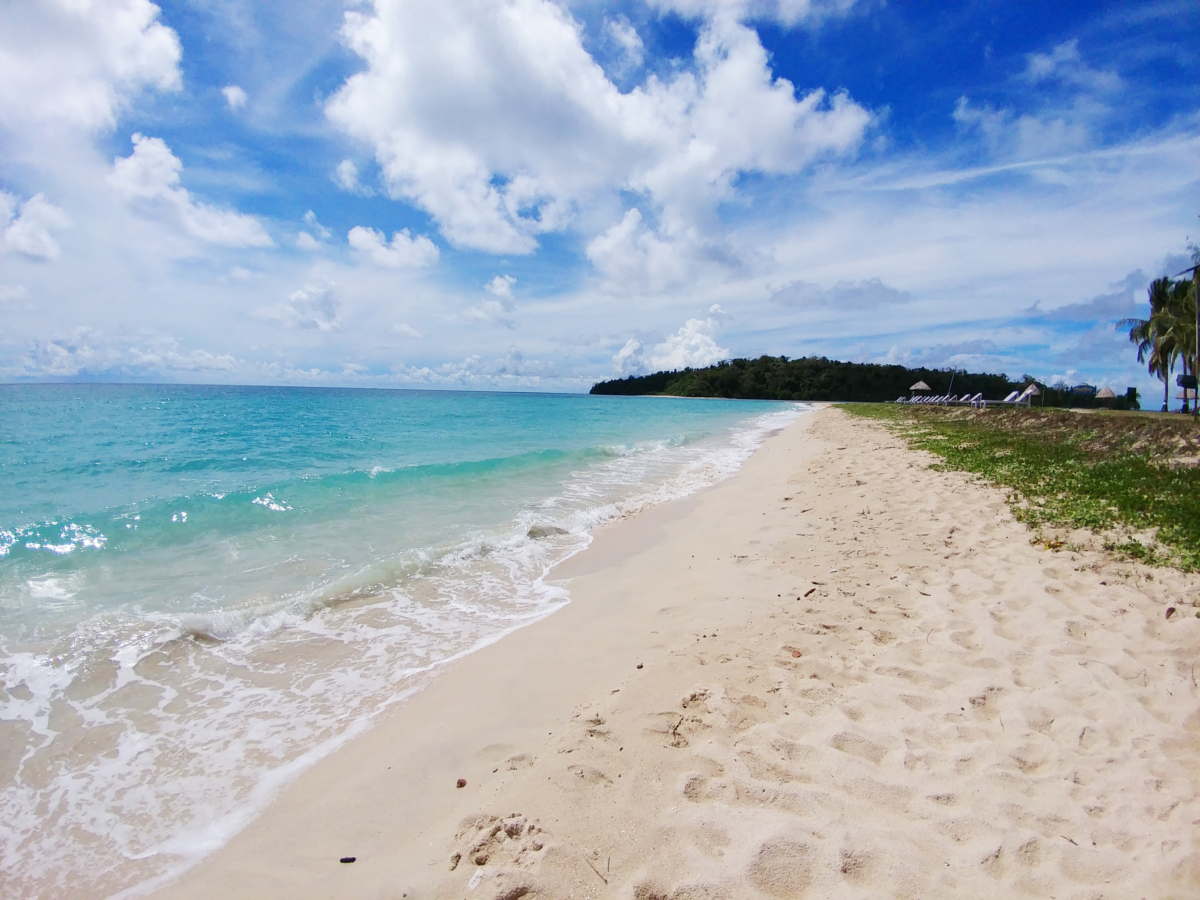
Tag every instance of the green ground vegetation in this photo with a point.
(1131, 477)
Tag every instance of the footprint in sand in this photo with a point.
(497, 841)
(519, 761)
(782, 868)
(859, 746)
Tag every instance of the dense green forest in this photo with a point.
(817, 378)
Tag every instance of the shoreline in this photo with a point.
(588, 775)
(443, 703)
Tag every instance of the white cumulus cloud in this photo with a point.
(633, 256)
(150, 177)
(629, 360)
(622, 33)
(25, 228)
(234, 96)
(693, 345)
(345, 176)
(510, 128)
(79, 63)
(501, 286)
(404, 251)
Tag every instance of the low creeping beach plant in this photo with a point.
(1131, 478)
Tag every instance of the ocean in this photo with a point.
(204, 590)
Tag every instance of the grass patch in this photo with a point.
(1110, 474)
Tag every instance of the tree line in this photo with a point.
(818, 378)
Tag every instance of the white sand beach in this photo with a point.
(836, 674)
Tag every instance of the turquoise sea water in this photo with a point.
(203, 590)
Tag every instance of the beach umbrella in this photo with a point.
(1106, 393)
(1188, 394)
(920, 386)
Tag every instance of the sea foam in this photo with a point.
(188, 711)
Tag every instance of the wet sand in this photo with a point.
(837, 674)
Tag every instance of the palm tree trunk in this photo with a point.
(1196, 333)
(1186, 405)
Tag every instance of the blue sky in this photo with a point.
(534, 195)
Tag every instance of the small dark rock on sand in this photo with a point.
(348, 859)
(462, 782)
(1170, 611)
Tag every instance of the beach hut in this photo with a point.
(1027, 395)
(1106, 393)
(920, 386)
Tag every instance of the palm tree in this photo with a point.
(1183, 306)
(1187, 295)
(1177, 328)
(1169, 335)
(1150, 336)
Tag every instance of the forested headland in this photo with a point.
(818, 378)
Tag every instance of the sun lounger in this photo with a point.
(1007, 401)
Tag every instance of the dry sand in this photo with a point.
(838, 674)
